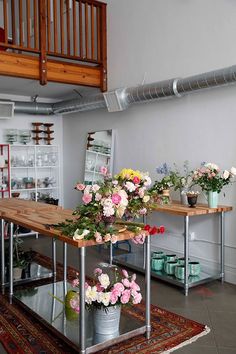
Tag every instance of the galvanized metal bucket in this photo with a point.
(107, 321)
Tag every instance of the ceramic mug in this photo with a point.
(194, 268)
(181, 261)
(179, 271)
(157, 263)
(170, 257)
(158, 254)
(170, 267)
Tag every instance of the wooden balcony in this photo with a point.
(54, 40)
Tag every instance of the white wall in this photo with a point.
(167, 39)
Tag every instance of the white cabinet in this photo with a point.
(35, 171)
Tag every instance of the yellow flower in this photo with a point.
(128, 173)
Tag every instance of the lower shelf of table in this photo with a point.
(135, 261)
(37, 272)
(43, 302)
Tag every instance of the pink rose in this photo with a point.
(125, 296)
(80, 186)
(113, 298)
(99, 288)
(116, 198)
(133, 278)
(87, 198)
(136, 180)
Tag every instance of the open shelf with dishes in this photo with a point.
(35, 172)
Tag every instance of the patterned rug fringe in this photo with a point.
(189, 341)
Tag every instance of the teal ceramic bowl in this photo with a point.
(170, 257)
(170, 267)
(181, 261)
(194, 268)
(158, 254)
(157, 263)
(179, 271)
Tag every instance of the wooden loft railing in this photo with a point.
(54, 40)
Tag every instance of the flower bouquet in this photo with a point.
(210, 178)
(126, 195)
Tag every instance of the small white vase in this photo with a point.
(212, 198)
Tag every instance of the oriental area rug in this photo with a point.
(21, 333)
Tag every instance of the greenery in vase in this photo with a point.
(210, 178)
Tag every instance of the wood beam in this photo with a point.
(25, 66)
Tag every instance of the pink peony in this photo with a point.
(125, 297)
(116, 198)
(134, 286)
(87, 198)
(133, 278)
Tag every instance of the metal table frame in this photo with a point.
(16, 219)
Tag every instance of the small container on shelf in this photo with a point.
(11, 135)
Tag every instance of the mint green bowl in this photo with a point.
(170, 267)
(194, 268)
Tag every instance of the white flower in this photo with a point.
(78, 236)
(87, 189)
(114, 182)
(104, 280)
(226, 174)
(124, 198)
(233, 171)
(148, 181)
(146, 198)
(105, 298)
(141, 192)
(98, 197)
(107, 202)
(108, 211)
(91, 294)
(95, 188)
(212, 166)
(130, 186)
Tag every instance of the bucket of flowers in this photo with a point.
(110, 289)
(106, 203)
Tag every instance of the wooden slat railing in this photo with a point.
(74, 29)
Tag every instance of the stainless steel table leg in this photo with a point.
(54, 258)
(222, 245)
(65, 267)
(2, 256)
(11, 262)
(82, 302)
(111, 253)
(186, 253)
(148, 287)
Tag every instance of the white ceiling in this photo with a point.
(30, 88)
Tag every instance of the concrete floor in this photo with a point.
(213, 304)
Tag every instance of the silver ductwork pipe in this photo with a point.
(79, 105)
(33, 108)
(121, 99)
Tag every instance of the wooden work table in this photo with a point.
(38, 216)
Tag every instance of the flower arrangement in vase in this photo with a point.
(210, 178)
(192, 198)
(126, 195)
(105, 295)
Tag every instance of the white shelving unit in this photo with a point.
(35, 171)
(94, 161)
